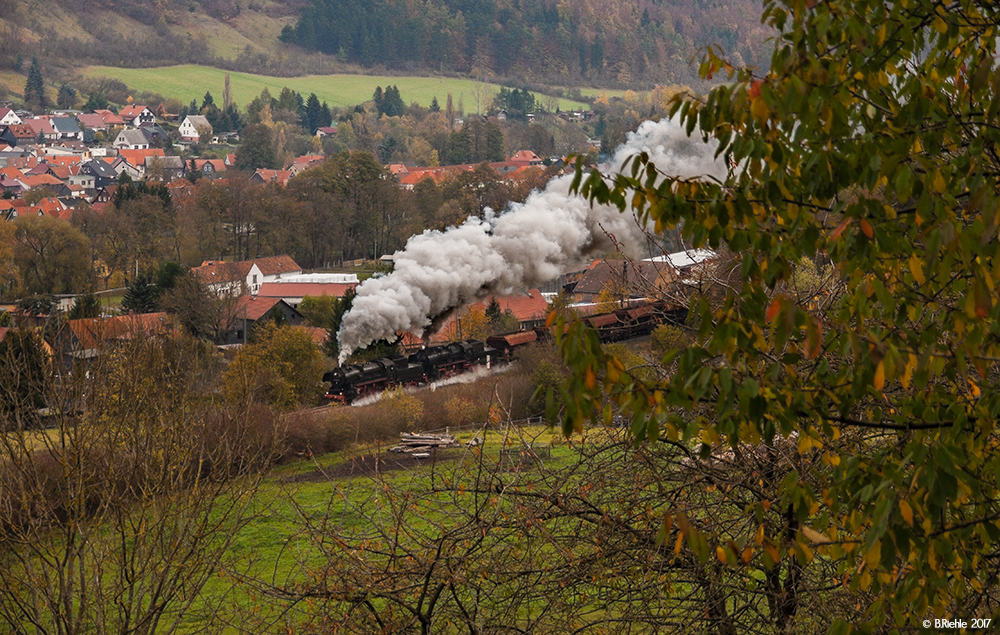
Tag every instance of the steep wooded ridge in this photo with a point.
(611, 43)
(608, 41)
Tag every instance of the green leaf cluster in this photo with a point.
(870, 147)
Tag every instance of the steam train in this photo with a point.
(356, 381)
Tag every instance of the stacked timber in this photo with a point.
(422, 444)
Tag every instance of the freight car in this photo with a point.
(433, 363)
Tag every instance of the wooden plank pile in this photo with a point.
(421, 444)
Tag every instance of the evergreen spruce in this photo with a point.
(34, 87)
(141, 295)
(87, 305)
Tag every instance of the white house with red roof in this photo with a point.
(42, 126)
(193, 126)
(294, 288)
(525, 157)
(305, 162)
(9, 118)
(236, 278)
(136, 115)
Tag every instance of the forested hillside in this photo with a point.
(608, 41)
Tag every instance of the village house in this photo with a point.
(101, 171)
(137, 115)
(81, 340)
(210, 167)
(237, 278)
(131, 139)
(165, 168)
(42, 127)
(67, 128)
(621, 281)
(294, 288)
(9, 118)
(18, 135)
(252, 309)
(193, 127)
(300, 164)
(271, 176)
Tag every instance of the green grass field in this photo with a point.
(276, 547)
(189, 82)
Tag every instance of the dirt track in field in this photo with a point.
(368, 464)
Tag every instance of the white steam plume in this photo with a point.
(529, 244)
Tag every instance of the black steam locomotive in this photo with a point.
(433, 363)
(356, 381)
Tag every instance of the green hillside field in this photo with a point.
(189, 82)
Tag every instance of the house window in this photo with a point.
(255, 278)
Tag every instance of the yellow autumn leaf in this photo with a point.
(874, 555)
(906, 511)
(974, 388)
(916, 268)
(720, 554)
(880, 376)
(815, 537)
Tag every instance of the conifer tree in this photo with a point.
(34, 87)
(141, 295)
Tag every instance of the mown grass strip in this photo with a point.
(190, 81)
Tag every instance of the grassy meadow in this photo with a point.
(277, 547)
(190, 81)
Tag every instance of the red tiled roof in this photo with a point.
(131, 112)
(254, 307)
(110, 118)
(308, 159)
(274, 176)
(91, 332)
(138, 157)
(525, 156)
(275, 265)
(215, 271)
(303, 289)
(61, 172)
(41, 180)
(528, 306)
(65, 161)
(23, 131)
(40, 125)
(93, 121)
(218, 164)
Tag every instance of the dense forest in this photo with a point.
(607, 41)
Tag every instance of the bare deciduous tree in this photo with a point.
(114, 516)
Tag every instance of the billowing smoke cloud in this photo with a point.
(530, 243)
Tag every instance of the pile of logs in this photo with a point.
(422, 444)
